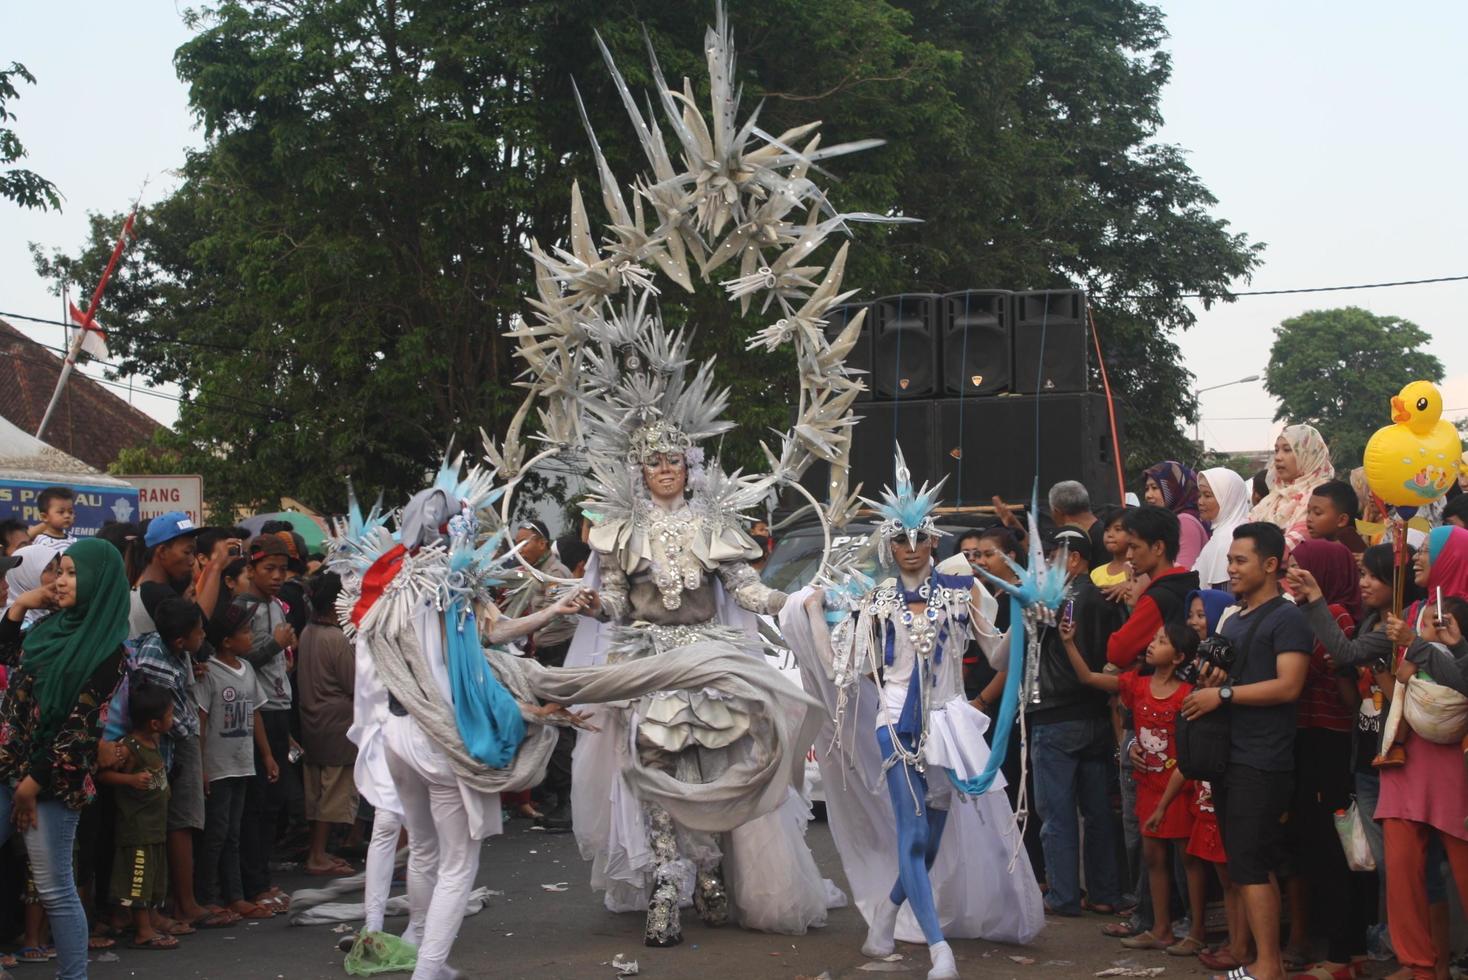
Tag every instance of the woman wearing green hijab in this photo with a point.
(62, 673)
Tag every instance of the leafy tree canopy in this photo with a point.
(331, 282)
(1338, 370)
(25, 187)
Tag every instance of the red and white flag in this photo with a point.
(94, 338)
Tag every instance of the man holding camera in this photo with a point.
(1270, 644)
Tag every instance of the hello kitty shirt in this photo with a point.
(1156, 721)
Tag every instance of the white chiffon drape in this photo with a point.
(773, 880)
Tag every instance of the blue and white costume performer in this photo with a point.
(888, 662)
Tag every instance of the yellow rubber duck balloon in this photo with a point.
(1414, 461)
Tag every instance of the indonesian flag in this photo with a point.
(94, 339)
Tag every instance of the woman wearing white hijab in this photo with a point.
(1223, 501)
(34, 560)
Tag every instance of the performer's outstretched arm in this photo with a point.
(504, 629)
(743, 583)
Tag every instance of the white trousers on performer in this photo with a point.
(442, 864)
(381, 856)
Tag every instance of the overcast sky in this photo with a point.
(1329, 131)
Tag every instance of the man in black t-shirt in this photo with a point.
(1272, 644)
(1071, 746)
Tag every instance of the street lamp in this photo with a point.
(1198, 422)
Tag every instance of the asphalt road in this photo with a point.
(529, 932)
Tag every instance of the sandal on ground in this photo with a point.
(1187, 946)
(173, 927)
(336, 869)
(95, 942)
(215, 920)
(1145, 940)
(1294, 960)
(1322, 972)
(32, 954)
(6, 962)
(159, 941)
(1218, 959)
(1119, 930)
(1099, 909)
(255, 912)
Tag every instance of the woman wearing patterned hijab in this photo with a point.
(1172, 485)
(1301, 463)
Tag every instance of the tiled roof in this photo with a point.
(90, 422)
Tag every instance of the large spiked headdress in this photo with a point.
(725, 196)
(905, 512)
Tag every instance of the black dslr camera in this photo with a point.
(1214, 651)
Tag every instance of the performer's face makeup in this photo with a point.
(666, 474)
(912, 558)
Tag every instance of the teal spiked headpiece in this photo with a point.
(905, 512)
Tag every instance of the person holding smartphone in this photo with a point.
(1071, 744)
(216, 548)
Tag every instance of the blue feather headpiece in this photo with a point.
(904, 512)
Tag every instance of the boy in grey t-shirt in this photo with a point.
(231, 729)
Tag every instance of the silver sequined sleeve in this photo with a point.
(613, 591)
(743, 583)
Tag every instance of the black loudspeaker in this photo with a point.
(911, 424)
(977, 358)
(987, 446)
(905, 350)
(1056, 319)
(860, 358)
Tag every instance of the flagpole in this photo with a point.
(75, 347)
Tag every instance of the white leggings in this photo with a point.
(381, 855)
(442, 863)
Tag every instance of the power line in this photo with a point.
(160, 338)
(1334, 289)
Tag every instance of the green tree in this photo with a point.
(1338, 370)
(25, 187)
(331, 282)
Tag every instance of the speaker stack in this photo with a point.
(984, 386)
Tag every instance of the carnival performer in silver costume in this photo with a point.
(675, 575)
(675, 801)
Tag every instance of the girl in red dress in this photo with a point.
(1155, 701)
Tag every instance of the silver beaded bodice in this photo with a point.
(675, 568)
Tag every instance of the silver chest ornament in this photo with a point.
(675, 569)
